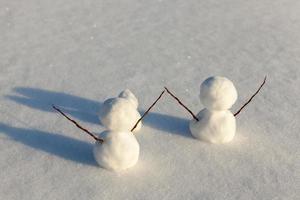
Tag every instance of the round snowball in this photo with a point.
(119, 114)
(119, 151)
(218, 93)
(214, 126)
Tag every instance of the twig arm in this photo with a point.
(184, 106)
(263, 83)
(77, 125)
(148, 110)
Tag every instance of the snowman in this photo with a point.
(120, 113)
(117, 149)
(216, 123)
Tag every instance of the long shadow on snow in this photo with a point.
(59, 145)
(86, 110)
(78, 107)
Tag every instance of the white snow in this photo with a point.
(120, 113)
(137, 45)
(119, 151)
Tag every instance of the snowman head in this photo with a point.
(127, 94)
(217, 93)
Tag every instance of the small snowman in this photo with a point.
(120, 149)
(120, 113)
(117, 149)
(216, 123)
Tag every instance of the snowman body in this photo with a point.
(214, 126)
(216, 123)
(120, 113)
(118, 151)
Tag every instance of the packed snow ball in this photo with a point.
(119, 151)
(214, 126)
(218, 93)
(120, 113)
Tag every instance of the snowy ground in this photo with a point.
(76, 54)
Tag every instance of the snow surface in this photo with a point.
(75, 54)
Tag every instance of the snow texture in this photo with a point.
(120, 113)
(75, 54)
(120, 150)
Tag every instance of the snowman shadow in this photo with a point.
(168, 124)
(62, 146)
(86, 110)
(80, 108)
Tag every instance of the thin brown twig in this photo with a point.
(78, 126)
(235, 114)
(148, 110)
(184, 106)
